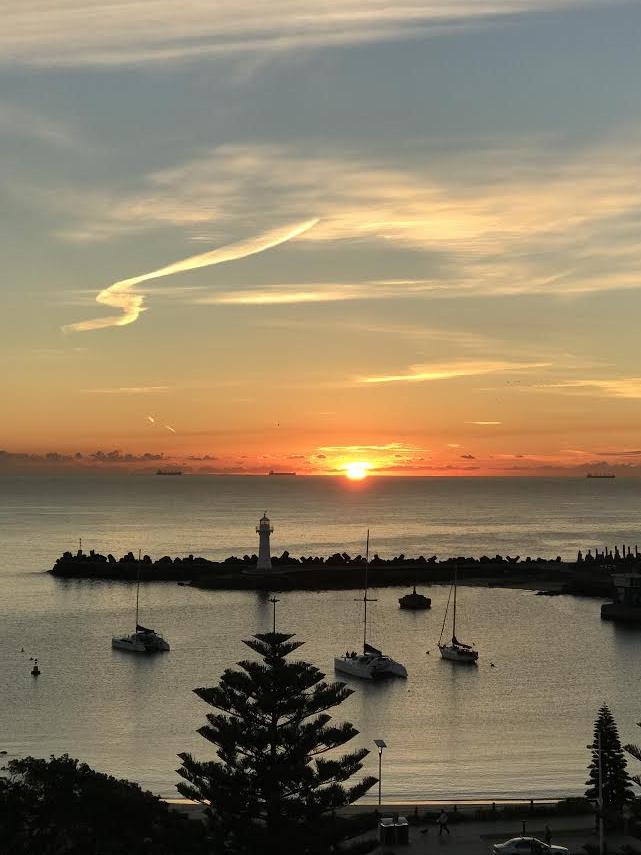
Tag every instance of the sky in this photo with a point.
(247, 236)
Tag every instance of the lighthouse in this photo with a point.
(264, 530)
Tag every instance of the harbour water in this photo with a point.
(518, 729)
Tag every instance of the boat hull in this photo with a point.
(369, 667)
(140, 643)
(456, 654)
(415, 602)
(354, 667)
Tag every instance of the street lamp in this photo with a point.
(380, 744)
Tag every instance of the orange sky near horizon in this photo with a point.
(401, 236)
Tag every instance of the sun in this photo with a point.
(357, 471)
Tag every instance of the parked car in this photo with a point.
(526, 846)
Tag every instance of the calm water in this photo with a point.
(517, 729)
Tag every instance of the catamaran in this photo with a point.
(455, 650)
(143, 640)
(371, 664)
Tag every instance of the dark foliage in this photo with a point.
(616, 781)
(62, 807)
(634, 751)
(273, 790)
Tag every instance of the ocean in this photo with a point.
(518, 729)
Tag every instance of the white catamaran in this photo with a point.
(455, 650)
(371, 664)
(143, 640)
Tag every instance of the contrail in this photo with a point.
(120, 294)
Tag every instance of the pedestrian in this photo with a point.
(548, 836)
(443, 821)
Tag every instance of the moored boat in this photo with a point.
(414, 601)
(455, 650)
(372, 663)
(143, 639)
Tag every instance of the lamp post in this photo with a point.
(380, 744)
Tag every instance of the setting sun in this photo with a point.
(357, 471)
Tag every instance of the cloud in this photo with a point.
(622, 387)
(117, 456)
(626, 453)
(17, 121)
(483, 423)
(34, 460)
(120, 294)
(500, 220)
(352, 449)
(127, 390)
(448, 371)
(91, 32)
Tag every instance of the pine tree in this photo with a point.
(272, 790)
(616, 781)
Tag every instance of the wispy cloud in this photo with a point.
(17, 121)
(91, 32)
(448, 371)
(617, 387)
(530, 218)
(625, 453)
(121, 296)
(127, 390)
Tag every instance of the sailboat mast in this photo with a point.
(365, 597)
(137, 590)
(454, 611)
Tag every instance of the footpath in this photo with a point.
(477, 838)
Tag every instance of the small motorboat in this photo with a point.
(415, 601)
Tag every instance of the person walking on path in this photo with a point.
(443, 821)
(548, 835)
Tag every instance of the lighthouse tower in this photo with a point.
(264, 530)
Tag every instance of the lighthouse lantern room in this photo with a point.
(264, 530)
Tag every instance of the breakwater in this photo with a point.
(589, 574)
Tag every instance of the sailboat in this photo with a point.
(143, 640)
(455, 650)
(371, 664)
